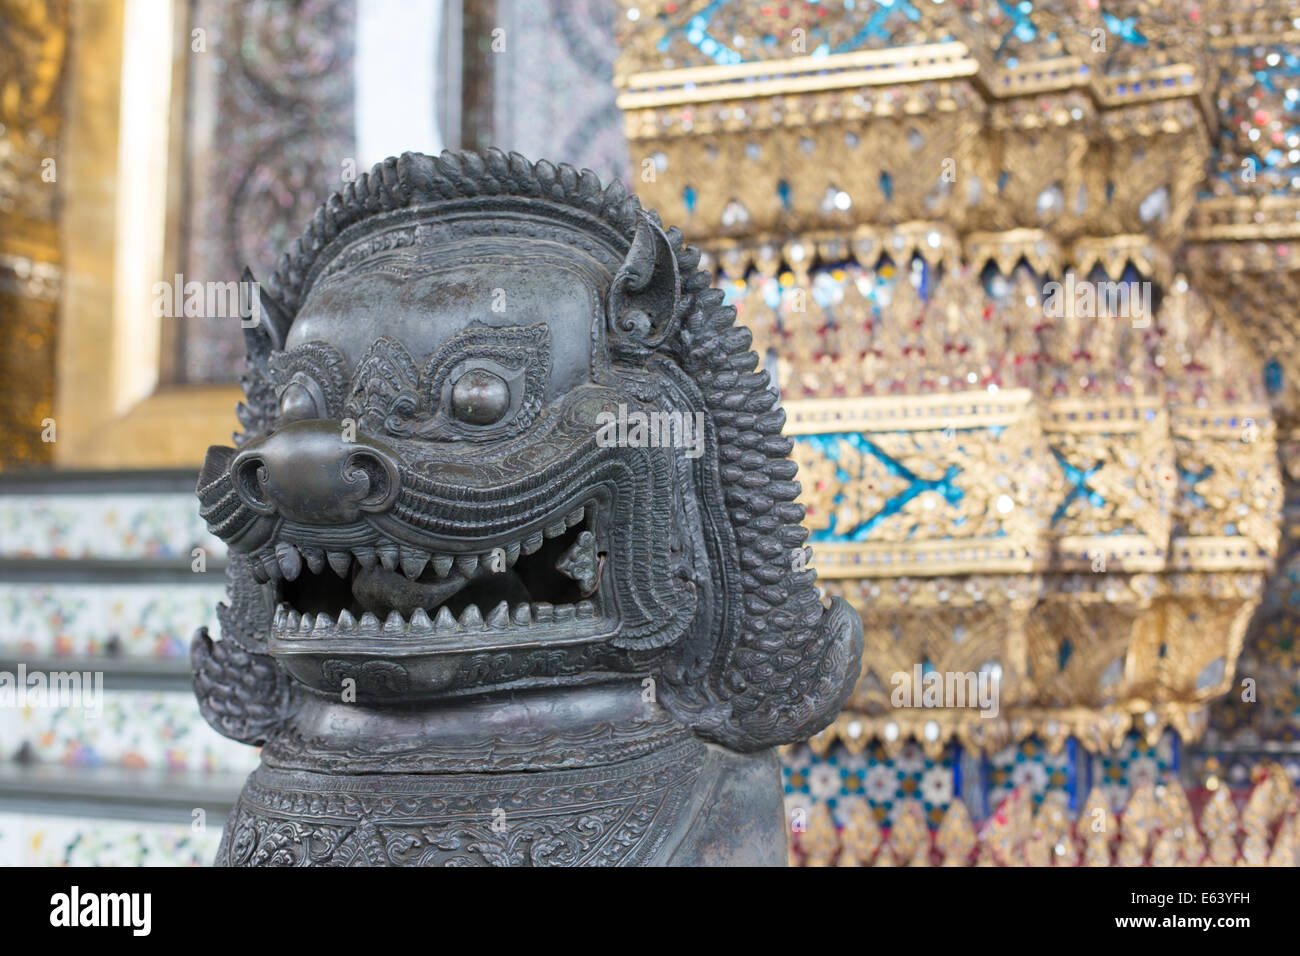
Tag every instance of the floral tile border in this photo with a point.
(27, 840)
(136, 729)
(91, 620)
(116, 527)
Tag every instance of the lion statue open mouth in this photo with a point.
(516, 565)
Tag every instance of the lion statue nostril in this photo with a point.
(372, 477)
(250, 476)
(308, 472)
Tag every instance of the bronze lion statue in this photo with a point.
(515, 558)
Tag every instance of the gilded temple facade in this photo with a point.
(1021, 273)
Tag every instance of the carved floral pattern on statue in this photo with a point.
(595, 817)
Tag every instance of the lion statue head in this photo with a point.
(501, 434)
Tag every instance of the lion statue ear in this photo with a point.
(269, 319)
(644, 297)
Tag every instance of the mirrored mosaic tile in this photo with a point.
(1122, 771)
(1031, 766)
(886, 783)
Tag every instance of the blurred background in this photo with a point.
(1094, 507)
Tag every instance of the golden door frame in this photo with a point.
(121, 157)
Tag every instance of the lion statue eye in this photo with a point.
(486, 382)
(310, 382)
(480, 396)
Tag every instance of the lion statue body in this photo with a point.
(516, 565)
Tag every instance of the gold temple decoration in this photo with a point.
(909, 836)
(33, 47)
(1097, 829)
(819, 841)
(954, 83)
(955, 839)
(1032, 447)
(1244, 234)
(80, 371)
(860, 838)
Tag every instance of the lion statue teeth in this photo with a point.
(516, 564)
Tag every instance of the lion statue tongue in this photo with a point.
(379, 590)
